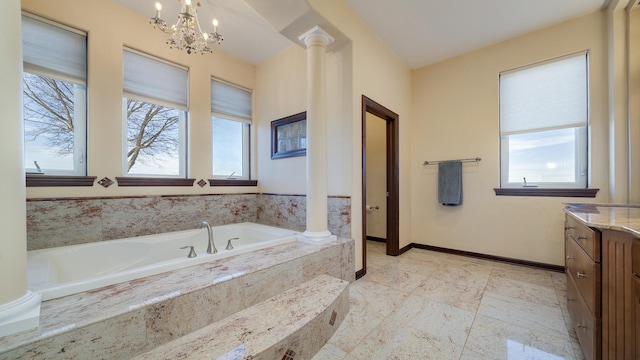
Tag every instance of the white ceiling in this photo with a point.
(420, 32)
(247, 35)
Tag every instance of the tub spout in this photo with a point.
(211, 248)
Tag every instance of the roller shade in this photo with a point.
(230, 101)
(149, 78)
(54, 51)
(545, 97)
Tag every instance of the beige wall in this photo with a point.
(382, 76)
(456, 115)
(110, 27)
(634, 103)
(376, 158)
(281, 89)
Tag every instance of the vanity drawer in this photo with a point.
(586, 275)
(587, 238)
(586, 326)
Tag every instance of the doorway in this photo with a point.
(384, 219)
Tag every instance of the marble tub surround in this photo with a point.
(60, 222)
(289, 212)
(613, 216)
(297, 320)
(126, 319)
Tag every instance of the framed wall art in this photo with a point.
(289, 136)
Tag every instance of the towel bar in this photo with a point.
(476, 159)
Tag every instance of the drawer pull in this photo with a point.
(570, 257)
(570, 227)
(581, 274)
(580, 237)
(582, 326)
(570, 299)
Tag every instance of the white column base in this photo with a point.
(312, 237)
(20, 315)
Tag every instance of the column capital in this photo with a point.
(316, 33)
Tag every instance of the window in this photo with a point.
(54, 98)
(231, 122)
(155, 116)
(543, 124)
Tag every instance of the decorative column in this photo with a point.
(19, 308)
(316, 41)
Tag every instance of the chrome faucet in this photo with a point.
(211, 248)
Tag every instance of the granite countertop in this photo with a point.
(607, 216)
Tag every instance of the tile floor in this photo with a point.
(429, 305)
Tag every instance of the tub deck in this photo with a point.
(126, 319)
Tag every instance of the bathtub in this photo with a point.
(67, 270)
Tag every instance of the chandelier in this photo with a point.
(186, 34)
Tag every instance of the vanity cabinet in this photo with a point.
(635, 280)
(602, 265)
(582, 266)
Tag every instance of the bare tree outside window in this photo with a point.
(152, 133)
(49, 112)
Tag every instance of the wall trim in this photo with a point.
(376, 239)
(166, 195)
(360, 273)
(534, 264)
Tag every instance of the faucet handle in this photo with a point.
(229, 246)
(192, 252)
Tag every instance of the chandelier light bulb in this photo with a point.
(187, 2)
(158, 9)
(215, 25)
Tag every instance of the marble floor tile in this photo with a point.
(501, 340)
(534, 293)
(393, 340)
(395, 278)
(375, 297)
(451, 293)
(523, 313)
(330, 352)
(464, 308)
(357, 324)
(470, 274)
(445, 322)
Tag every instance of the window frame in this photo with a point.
(183, 129)
(59, 177)
(578, 188)
(238, 115)
(246, 151)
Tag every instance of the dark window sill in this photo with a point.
(584, 193)
(233, 182)
(59, 180)
(144, 181)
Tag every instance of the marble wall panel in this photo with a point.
(182, 212)
(52, 223)
(63, 222)
(339, 213)
(128, 217)
(290, 211)
(231, 208)
(285, 211)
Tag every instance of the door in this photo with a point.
(390, 121)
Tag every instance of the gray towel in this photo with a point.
(450, 183)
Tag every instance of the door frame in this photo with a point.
(393, 174)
